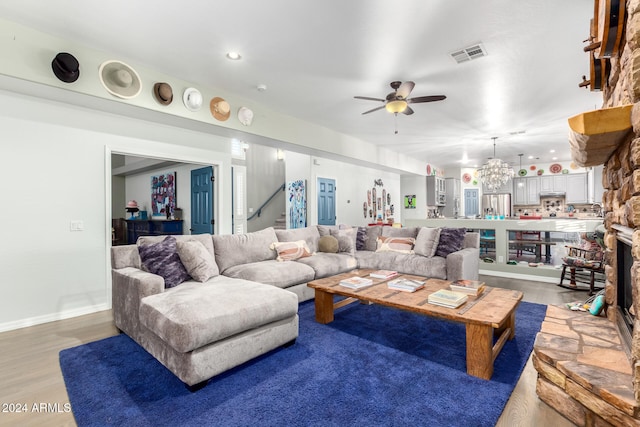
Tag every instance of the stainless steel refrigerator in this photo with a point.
(496, 204)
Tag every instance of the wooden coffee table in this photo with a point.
(491, 313)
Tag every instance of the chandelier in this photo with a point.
(495, 173)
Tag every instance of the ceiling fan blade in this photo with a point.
(375, 109)
(408, 111)
(430, 98)
(369, 98)
(405, 90)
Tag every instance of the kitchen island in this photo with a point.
(502, 235)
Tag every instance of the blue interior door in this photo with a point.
(326, 201)
(202, 201)
(471, 205)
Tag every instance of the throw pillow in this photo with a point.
(451, 240)
(403, 245)
(346, 240)
(197, 260)
(162, 259)
(361, 238)
(328, 244)
(289, 251)
(427, 241)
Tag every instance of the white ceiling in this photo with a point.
(315, 56)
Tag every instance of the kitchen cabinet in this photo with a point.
(436, 194)
(577, 188)
(526, 191)
(553, 183)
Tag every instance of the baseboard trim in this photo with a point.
(534, 278)
(38, 320)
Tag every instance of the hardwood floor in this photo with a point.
(31, 376)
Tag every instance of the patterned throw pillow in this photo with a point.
(163, 259)
(403, 245)
(289, 251)
(361, 238)
(451, 240)
(197, 260)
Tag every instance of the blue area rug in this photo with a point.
(371, 366)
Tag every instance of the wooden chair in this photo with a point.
(586, 266)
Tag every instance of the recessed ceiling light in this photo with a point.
(233, 56)
(552, 151)
(554, 158)
(530, 157)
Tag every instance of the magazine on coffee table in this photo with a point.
(356, 282)
(406, 285)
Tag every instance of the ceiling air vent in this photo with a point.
(469, 53)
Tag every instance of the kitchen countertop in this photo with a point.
(543, 224)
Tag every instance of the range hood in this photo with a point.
(552, 194)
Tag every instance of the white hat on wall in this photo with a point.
(192, 99)
(245, 116)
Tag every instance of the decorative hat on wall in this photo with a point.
(192, 99)
(245, 116)
(220, 109)
(119, 79)
(163, 93)
(66, 67)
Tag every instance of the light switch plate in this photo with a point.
(76, 226)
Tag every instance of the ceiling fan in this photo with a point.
(398, 101)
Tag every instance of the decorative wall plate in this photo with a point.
(565, 171)
(522, 172)
(466, 178)
(428, 169)
(475, 182)
(555, 168)
(476, 173)
(532, 167)
(573, 165)
(540, 171)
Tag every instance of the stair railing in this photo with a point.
(259, 211)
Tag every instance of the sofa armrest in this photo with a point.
(129, 286)
(463, 264)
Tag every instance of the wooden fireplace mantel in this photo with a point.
(596, 134)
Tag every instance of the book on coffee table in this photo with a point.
(356, 282)
(383, 274)
(405, 285)
(471, 287)
(447, 298)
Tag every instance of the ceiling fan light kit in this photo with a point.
(398, 101)
(396, 106)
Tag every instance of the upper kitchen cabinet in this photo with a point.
(577, 188)
(436, 194)
(553, 184)
(526, 191)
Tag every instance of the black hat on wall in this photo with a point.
(66, 67)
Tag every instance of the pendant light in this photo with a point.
(495, 173)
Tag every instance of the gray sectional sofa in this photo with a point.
(203, 304)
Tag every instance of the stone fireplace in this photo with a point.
(589, 366)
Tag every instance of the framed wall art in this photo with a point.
(163, 194)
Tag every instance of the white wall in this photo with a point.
(414, 185)
(352, 183)
(56, 172)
